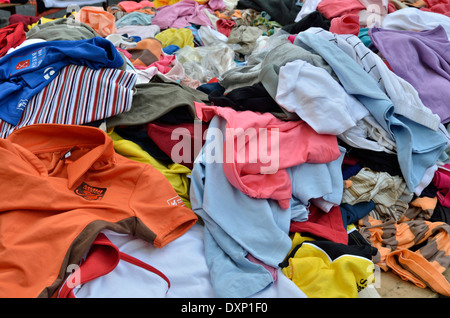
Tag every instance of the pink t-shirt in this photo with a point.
(332, 8)
(258, 147)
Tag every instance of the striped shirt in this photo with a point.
(78, 95)
(416, 250)
(385, 190)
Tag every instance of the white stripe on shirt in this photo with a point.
(78, 95)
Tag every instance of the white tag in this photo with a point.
(68, 153)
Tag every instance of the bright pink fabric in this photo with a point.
(181, 14)
(442, 182)
(224, 26)
(291, 37)
(347, 24)
(164, 64)
(437, 6)
(391, 7)
(124, 52)
(130, 6)
(332, 8)
(216, 5)
(297, 143)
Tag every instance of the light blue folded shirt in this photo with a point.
(418, 147)
(236, 225)
(134, 18)
(318, 180)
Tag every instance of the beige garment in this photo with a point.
(398, 4)
(244, 38)
(387, 192)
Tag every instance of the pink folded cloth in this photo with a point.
(285, 143)
(181, 15)
(346, 24)
(332, 8)
(224, 26)
(130, 6)
(441, 180)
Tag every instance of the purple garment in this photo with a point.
(422, 58)
(183, 13)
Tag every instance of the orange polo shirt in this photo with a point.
(60, 186)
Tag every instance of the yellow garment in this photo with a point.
(175, 173)
(298, 239)
(350, 227)
(161, 3)
(180, 37)
(319, 276)
(41, 21)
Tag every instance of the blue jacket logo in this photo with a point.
(49, 71)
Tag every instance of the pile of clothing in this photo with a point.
(278, 148)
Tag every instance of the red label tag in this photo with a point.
(22, 64)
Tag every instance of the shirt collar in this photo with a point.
(57, 137)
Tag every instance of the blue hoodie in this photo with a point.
(26, 71)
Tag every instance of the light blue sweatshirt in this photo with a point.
(236, 225)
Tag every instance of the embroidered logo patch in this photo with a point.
(22, 64)
(89, 192)
(175, 201)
